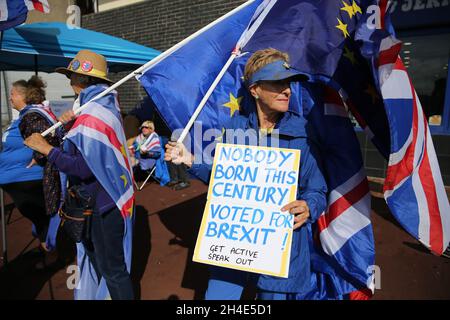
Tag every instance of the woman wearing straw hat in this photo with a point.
(95, 159)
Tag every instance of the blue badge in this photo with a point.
(75, 65)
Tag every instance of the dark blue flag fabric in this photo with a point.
(350, 52)
(12, 13)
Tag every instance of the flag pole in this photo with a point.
(237, 50)
(207, 95)
(202, 103)
(152, 63)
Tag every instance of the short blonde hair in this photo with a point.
(262, 58)
(148, 124)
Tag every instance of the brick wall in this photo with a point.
(158, 24)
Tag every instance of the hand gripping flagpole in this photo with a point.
(152, 63)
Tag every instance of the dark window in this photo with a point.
(426, 59)
(86, 6)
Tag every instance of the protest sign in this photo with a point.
(242, 226)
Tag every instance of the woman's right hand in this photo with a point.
(67, 116)
(177, 153)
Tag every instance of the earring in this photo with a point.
(256, 97)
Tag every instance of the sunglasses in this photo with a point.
(145, 127)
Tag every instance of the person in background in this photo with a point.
(32, 182)
(146, 149)
(108, 250)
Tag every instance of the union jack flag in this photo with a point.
(98, 134)
(413, 189)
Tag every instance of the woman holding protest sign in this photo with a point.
(268, 77)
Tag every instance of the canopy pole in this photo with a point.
(2, 204)
(35, 65)
(152, 63)
(4, 245)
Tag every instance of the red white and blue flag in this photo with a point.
(14, 12)
(413, 189)
(98, 134)
(149, 144)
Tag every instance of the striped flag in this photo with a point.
(98, 134)
(413, 189)
(14, 12)
(151, 143)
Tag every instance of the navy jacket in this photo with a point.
(312, 188)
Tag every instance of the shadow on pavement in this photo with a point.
(21, 280)
(380, 208)
(183, 220)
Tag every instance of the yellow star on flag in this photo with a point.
(350, 55)
(349, 9)
(122, 150)
(233, 104)
(356, 8)
(125, 180)
(372, 92)
(343, 27)
(130, 211)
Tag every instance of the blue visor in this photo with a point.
(277, 70)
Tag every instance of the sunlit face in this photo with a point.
(17, 98)
(272, 95)
(146, 131)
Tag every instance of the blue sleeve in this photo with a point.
(312, 186)
(70, 164)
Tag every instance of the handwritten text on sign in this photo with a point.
(242, 226)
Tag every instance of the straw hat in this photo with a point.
(87, 63)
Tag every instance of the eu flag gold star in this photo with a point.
(130, 211)
(350, 55)
(125, 180)
(233, 104)
(122, 150)
(349, 9)
(372, 92)
(343, 27)
(356, 8)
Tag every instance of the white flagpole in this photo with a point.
(245, 37)
(207, 95)
(152, 63)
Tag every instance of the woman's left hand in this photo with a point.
(300, 210)
(38, 143)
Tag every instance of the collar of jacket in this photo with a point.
(291, 124)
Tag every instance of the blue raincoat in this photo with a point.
(312, 188)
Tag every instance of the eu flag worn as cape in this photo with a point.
(351, 54)
(98, 135)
